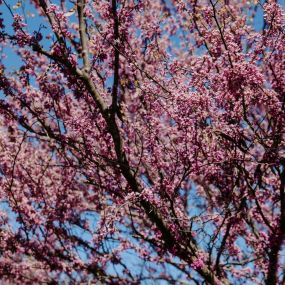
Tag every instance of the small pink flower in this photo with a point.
(198, 263)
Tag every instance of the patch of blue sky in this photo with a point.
(12, 216)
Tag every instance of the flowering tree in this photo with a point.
(142, 141)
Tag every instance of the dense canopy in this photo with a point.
(142, 142)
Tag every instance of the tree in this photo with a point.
(142, 142)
